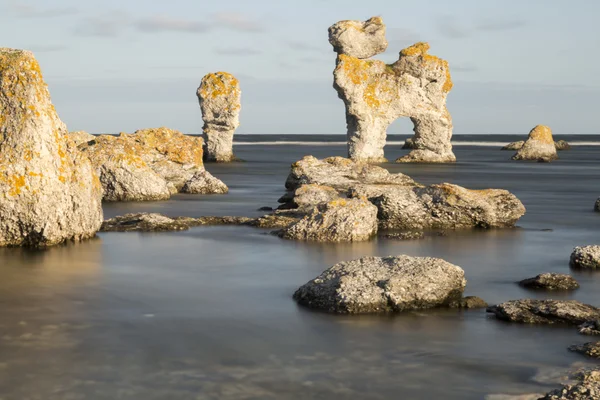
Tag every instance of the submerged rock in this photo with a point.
(587, 388)
(389, 284)
(219, 95)
(405, 235)
(150, 164)
(551, 281)
(539, 146)
(49, 192)
(562, 145)
(585, 257)
(590, 349)
(545, 311)
(376, 94)
(469, 302)
(340, 220)
(514, 145)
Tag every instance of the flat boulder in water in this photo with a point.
(545, 311)
(383, 285)
(550, 281)
(585, 257)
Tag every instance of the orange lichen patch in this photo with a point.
(15, 183)
(354, 68)
(338, 203)
(420, 49)
(219, 84)
(173, 144)
(338, 161)
(542, 133)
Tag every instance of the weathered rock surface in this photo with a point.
(150, 164)
(585, 257)
(550, 281)
(389, 284)
(376, 94)
(539, 146)
(514, 145)
(588, 388)
(469, 302)
(545, 311)
(402, 203)
(49, 192)
(591, 328)
(562, 145)
(80, 137)
(590, 349)
(340, 220)
(219, 95)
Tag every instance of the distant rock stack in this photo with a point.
(219, 96)
(376, 94)
(49, 192)
(539, 146)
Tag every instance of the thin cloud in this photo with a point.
(24, 10)
(167, 24)
(238, 22)
(47, 48)
(450, 27)
(110, 24)
(237, 51)
(500, 25)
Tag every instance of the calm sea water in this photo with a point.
(208, 313)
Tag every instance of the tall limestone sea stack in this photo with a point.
(49, 192)
(219, 95)
(376, 94)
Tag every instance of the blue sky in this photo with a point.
(124, 65)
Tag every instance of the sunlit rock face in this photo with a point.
(376, 94)
(539, 146)
(49, 192)
(219, 95)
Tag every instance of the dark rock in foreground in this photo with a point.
(588, 388)
(384, 285)
(545, 311)
(591, 349)
(585, 257)
(550, 281)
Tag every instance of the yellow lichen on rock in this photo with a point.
(421, 49)
(219, 84)
(542, 133)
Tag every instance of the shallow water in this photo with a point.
(208, 313)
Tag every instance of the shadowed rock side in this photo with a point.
(150, 164)
(376, 94)
(597, 204)
(587, 387)
(49, 192)
(383, 285)
(550, 281)
(545, 312)
(401, 202)
(585, 257)
(219, 95)
(539, 146)
(591, 328)
(562, 145)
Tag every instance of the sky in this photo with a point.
(122, 65)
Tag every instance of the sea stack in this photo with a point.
(219, 95)
(376, 94)
(539, 146)
(49, 192)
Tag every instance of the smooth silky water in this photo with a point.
(208, 313)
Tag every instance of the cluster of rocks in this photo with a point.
(49, 191)
(150, 164)
(587, 387)
(376, 94)
(559, 145)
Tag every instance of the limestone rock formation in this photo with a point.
(150, 164)
(585, 257)
(545, 311)
(550, 281)
(389, 284)
(409, 144)
(562, 145)
(402, 203)
(80, 137)
(49, 192)
(539, 146)
(590, 349)
(514, 145)
(340, 220)
(376, 94)
(219, 95)
(587, 387)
